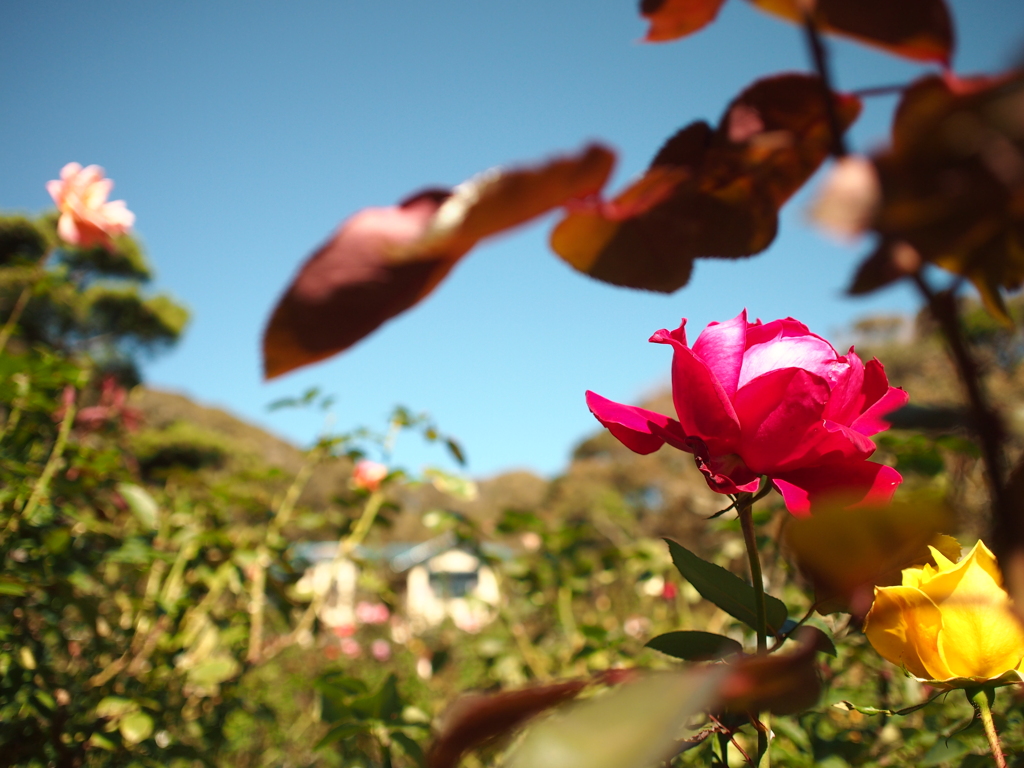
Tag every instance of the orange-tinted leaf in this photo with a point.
(477, 718)
(635, 725)
(846, 553)
(916, 29)
(709, 192)
(382, 261)
(953, 183)
(783, 683)
(672, 19)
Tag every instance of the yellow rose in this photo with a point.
(950, 625)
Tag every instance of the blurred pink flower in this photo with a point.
(372, 613)
(380, 650)
(769, 399)
(86, 217)
(849, 198)
(351, 648)
(344, 630)
(368, 475)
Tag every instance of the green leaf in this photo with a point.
(410, 747)
(140, 502)
(634, 725)
(725, 589)
(213, 670)
(114, 707)
(136, 727)
(10, 587)
(695, 646)
(339, 732)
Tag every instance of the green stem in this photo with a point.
(363, 525)
(42, 486)
(12, 321)
(980, 701)
(745, 510)
(258, 588)
(745, 507)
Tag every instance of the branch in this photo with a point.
(820, 57)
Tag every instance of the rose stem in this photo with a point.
(980, 701)
(820, 57)
(745, 510)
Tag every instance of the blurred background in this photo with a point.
(242, 133)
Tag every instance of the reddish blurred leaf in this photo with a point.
(782, 683)
(708, 193)
(384, 260)
(636, 725)
(916, 29)
(953, 185)
(476, 718)
(672, 19)
(846, 553)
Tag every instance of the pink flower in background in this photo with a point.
(86, 217)
(344, 630)
(368, 475)
(351, 648)
(769, 399)
(380, 650)
(372, 613)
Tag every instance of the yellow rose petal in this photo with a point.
(903, 626)
(980, 637)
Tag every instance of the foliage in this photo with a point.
(155, 608)
(83, 300)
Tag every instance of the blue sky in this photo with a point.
(242, 133)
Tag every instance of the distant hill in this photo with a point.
(605, 483)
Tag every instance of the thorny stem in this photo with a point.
(980, 701)
(744, 508)
(820, 57)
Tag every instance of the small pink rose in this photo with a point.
(368, 475)
(87, 218)
(351, 648)
(372, 613)
(380, 650)
(769, 399)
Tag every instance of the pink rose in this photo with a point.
(372, 613)
(368, 475)
(86, 218)
(769, 399)
(380, 650)
(351, 648)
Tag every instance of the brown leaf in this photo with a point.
(915, 29)
(382, 261)
(672, 19)
(709, 192)
(783, 683)
(845, 553)
(477, 718)
(953, 181)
